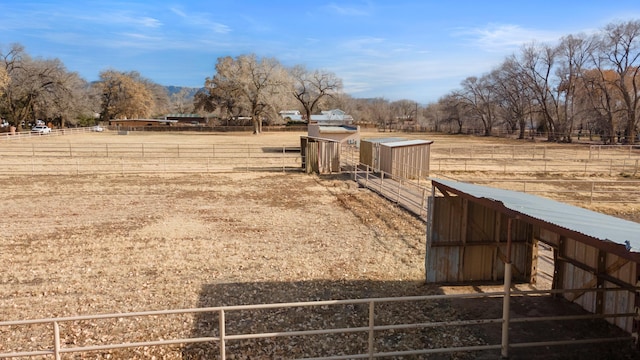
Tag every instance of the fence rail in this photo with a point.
(76, 159)
(58, 347)
(545, 166)
(545, 151)
(592, 191)
(409, 193)
(21, 135)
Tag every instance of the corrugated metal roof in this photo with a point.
(407, 143)
(577, 219)
(384, 140)
(337, 129)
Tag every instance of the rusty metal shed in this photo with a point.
(408, 159)
(320, 155)
(474, 231)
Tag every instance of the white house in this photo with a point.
(335, 125)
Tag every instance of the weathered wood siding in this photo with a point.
(320, 155)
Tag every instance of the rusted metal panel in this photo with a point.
(443, 264)
(467, 242)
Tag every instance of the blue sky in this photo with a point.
(399, 49)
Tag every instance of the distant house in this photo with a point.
(187, 119)
(292, 116)
(142, 122)
(335, 125)
(332, 117)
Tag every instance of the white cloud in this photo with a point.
(505, 37)
(149, 22)
(353, 10)
(202, 21)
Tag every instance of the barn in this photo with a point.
(408, 159)
(483, 234)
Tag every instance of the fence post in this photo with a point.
(371, 327)
(505, 310)
(610, 166)
(223, 354)
(283, 159)
(422, 201)
(381, 180)
(366, 179)
(399, 188)
(593, 185)
(56, 340)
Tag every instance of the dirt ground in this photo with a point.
(92, 244)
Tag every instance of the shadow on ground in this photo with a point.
(356, 315)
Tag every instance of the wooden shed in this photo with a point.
(320, 155)
(473, 232)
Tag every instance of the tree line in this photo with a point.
(585, 84)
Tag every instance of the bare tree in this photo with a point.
(450, 112)
(479, 96)
(311, 87)
(38, 89)
(538, 67)
(124, 96)
(248, 83)
(621, 49)
(381, 113)
(405, 111)
(182, 102)
(512, 96)
(4, 80)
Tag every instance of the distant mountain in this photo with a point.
(176, 89)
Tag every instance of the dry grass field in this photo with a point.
(92, 244)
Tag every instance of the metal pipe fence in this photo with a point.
(57, 347)
(543, 166)
(536, 151)
(21, 135)
(77, 159)
(591, 191)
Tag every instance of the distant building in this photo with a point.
(142, 122)
(335, 125)
(292, 116)
(187, 119)
(332, 117)
(327, 117)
